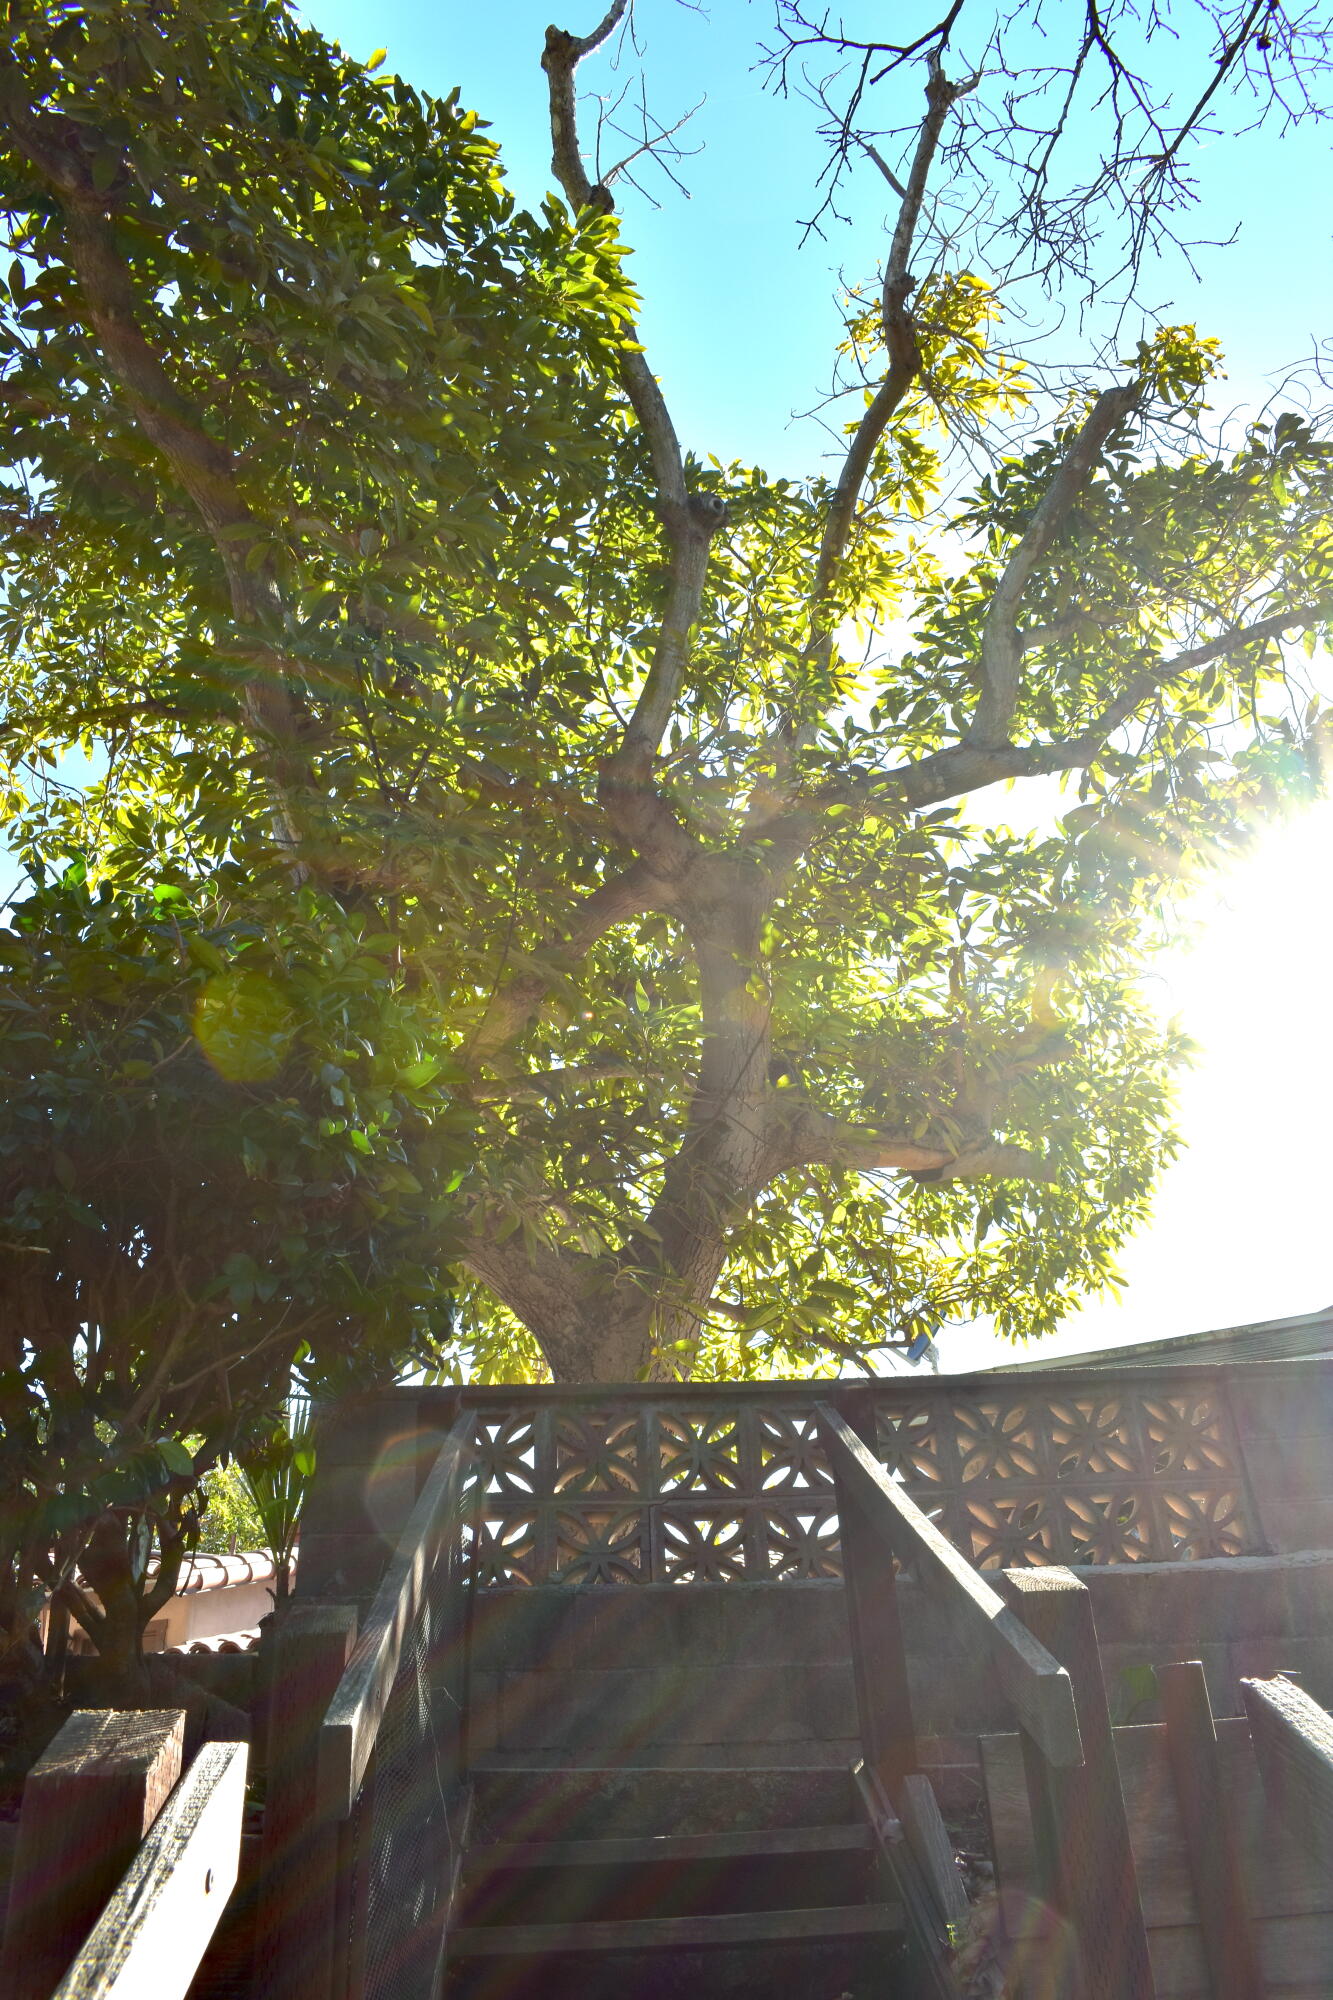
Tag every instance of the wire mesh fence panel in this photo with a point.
(408, 1873)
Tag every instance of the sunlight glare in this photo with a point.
(1242, 1225)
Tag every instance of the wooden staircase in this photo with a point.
(663, 1883)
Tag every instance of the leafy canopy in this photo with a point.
(348, 536)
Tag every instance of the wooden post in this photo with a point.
(1078, 1815)
(879, 1656)
(298, 1887)
(87, 1804)
(1219, 1884)
(160, 1920)
(1293, 1747)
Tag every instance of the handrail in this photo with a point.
(352, 1720)
(1037, 1685)
(152, 1934)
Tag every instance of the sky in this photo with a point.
(740, 322)
(740, 319)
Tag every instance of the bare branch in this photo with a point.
(899, 333)
(873, 153)
(563, 54)
(900, 339)
(1230, 53)
(689, 521)
(1055, 186)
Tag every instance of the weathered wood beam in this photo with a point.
(351, 1724)
(1214, 1864)
(299, 1859)
(87, 1804)
(1293, 1744)
(156, 1927)
(1078, 1816)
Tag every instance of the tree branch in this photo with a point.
(1002, 645)
(1225, 63)
(689, 521)
(563, 54)
(966, 767)
(900, 339)
(516, 1000)
(552, 1082)
(899, 329)
(1146, 684)
(814, 1139)
(204, 468)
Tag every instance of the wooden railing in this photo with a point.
(123, 1866)
(1043, 1648)
(368, 1802)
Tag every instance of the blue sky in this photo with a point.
(740, 320)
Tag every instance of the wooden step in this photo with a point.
(529, 1802)
(677, 1933)
(670, 1847)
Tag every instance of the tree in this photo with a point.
(768, 1041)
(224, 1164)
(263, 1493)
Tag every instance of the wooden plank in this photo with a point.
(357, 1707)
(1220, 1900)
(928, 1943)
(1284, 1876)
(632, 1851)
(1293, 1743)
(87, 1804)
(301, 1874)
(879, 1656)
(676, 1933)
(925, 1829)
(1037, 1685)
(1295, 1955)
(149, 1941)
(1085, 1860)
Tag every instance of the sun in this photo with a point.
(1242, 1228)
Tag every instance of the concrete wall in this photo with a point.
(760, 1672)
(1284, 1422)
(375, 1452)
(203, 1614)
